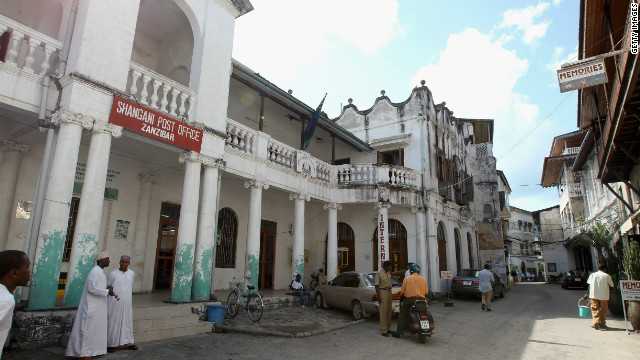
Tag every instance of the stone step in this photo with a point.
(164, 320)
(167, 332)
(162, 310)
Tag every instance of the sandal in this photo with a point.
(132, 347)
(111, 349)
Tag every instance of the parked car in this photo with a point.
(575, 279)
(355, 292)
(466, 283)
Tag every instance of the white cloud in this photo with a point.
(560, 56)
(524, 20)
(281, 35)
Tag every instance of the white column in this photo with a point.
(87, 230)
(297, 251)
(207, 226)
(421, 241)
(141, 232)
(10, 165)
(464, 250)
(252, 266)
(55, 213)
(432, 244)
(332, 240)
(383, 236)
(185, 248)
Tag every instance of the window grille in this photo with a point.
(228, 228)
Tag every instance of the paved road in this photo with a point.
(534, 321)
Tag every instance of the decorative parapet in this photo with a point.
(240, 137)
(376, 174)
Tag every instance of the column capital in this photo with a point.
(333, 205)
(107, 128)
(417, 210)
(66, 116)
(213, 162)
(10, 146)
(148, 178)
(382, 204)
(256, 184)
(191, 156)
(299, 196)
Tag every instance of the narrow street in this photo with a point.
(533, 321)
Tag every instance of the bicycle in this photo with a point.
(253, 304)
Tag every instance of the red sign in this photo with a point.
(145, 121)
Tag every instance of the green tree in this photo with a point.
(597, 237)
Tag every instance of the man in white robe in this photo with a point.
(120, 315)
(89, 333)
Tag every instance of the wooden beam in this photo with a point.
(618, 196)
(619, 176)
(629, 154)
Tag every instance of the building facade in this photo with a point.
(162, 147)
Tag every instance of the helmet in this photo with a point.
(414, 268)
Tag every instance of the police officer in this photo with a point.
(383, 290)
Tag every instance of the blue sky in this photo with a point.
(485, 59)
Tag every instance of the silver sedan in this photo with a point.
(355, 292)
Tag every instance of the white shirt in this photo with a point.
(295, 285)
(599, 283)
(485, 276)
(7, 303)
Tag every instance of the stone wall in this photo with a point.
(37, 329)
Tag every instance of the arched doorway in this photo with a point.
(346, 248)
(228, 228)
(470, 246)
(456, 235)
(442, 247)
(397, 245)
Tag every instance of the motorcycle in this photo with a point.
(315, 279)
(421, 321)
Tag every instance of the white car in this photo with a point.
(355, 292)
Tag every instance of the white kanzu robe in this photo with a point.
(7, 303)
(120, 323)
(89, 333)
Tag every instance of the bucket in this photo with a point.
(215, 313)
(583, 311)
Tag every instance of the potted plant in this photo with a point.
(631, 264)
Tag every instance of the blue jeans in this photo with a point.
(302, 294)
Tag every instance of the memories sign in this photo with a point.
(151, 123)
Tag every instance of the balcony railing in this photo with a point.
(253, 143)
(373, 174)
(571, 151)
(160, 93)
(28, 49)
(569, 191)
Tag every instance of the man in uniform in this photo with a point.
(383, 290)
(414, 287)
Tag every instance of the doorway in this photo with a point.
(166, 247)
(346, 248)
(268, 230)
(397, 246)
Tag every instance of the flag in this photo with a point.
(311, 127)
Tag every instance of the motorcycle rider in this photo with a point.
(414, 287)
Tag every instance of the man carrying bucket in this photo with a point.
(599, 283)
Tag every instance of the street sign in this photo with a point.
(446, 275)
(582, 75)
(630, 291)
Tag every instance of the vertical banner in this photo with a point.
(383, 238)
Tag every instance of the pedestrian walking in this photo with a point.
(383, 290)
(599, 283)
(89, 333)
(120, 307)
(14, 272)
(485, 276)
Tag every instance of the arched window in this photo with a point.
(442, 247)
(228, 228)
(456, 234)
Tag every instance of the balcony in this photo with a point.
(571, 151)
(250, 146)
(28, 56)
(568, 191)
(160, 93)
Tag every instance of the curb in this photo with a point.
(261, 332)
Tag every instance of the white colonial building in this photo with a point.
(126, 134)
